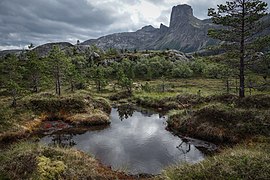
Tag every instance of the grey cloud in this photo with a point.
(38, 21)
(200, 8)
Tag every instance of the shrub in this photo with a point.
(182, 71)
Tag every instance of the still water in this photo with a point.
(136, 142)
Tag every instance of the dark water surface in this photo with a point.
(135, 142)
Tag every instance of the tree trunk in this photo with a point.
(228, 86)
(58, 82)
(99, 86)
(163, 86)
(14, 101)
(35, 88)
(56, 86)
(59, 87)
(242, 79)
(242, 54)
(236, 85)
(72, 86)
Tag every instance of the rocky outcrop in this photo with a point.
(6, 52)
(45, 49)
(185, 33)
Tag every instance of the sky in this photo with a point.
(42, 21)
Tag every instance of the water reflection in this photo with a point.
(62, 140)
(125, 111)
(139, 144)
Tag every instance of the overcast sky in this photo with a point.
(40, 21)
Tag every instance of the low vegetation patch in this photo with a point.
(249, 161)
(79, 109)
(221, 123)
(33, 161)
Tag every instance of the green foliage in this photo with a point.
(11, 76)
(182, 71)
(6, 116)
(124, 81)
(99, 77)
(112, 52)
(128, 68)
(57, 65)
(213, 71)
(231, 15)
(198, 66)
(241, 19)
(35, 68)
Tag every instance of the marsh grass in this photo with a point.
(246, 161)
(78, 108)
(218, 122)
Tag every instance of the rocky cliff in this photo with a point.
(185, 33)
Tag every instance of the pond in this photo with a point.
(136, 141)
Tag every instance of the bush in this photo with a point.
(198, 66)
(213, 71)
(182, 71)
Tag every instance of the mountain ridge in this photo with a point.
(185, 33)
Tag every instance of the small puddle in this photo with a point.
(136, 142)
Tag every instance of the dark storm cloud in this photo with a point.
(38, 21)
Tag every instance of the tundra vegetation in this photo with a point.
(202, 95)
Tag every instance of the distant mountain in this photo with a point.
(185, 33)
(42, 50)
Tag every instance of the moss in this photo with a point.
(241, 162)
(95, 118)
(102, 104)
(48, 169)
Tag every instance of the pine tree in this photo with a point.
(240, 20)
(57, 64)
(34, 67)
(11, 76)
(99, 78)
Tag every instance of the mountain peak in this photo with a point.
(181, 14)
(148, 28)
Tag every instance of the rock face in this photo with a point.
(45, 49)
(185, 33)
